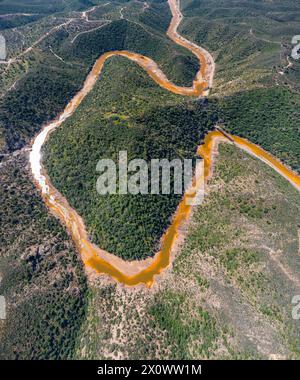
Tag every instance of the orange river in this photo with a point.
(98, 261)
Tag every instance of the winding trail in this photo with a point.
(97, 260)
(37, 42)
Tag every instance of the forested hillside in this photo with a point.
(42, 81)
(228, 294)
(41, 7)
(250, 40)
(131, 113)
(41, 275)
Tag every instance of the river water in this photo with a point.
(98, 261)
